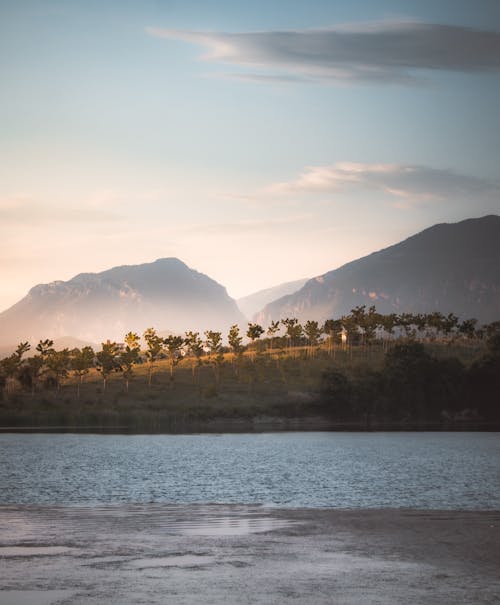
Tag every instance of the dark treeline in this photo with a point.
(416, 388)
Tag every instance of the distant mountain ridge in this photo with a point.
(251, 304)
(450, 267)
(165, 294)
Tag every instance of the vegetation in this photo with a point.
(363, 370)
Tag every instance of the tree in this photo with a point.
(58, 364)
(351, 329)
(10, 366)
(468, 328)
(254, 332)
(108, 361)
(313, 332)
(45, 348)
(174, 352)
(154, 350)
(194, 346)
(80, 363)
(332, 328)
(272, 330)
(35, 367)
(216, 358)
(129, 356)
(234, 339)
(293, 330)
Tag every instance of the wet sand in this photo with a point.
(215, 554)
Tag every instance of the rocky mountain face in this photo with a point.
(251, 304)
(165, 294)
(452, 268)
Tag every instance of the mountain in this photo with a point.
(448, 268)
(165, 294)
(249, 305)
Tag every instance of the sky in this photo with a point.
(258, 142)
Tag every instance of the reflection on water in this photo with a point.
(346, 470)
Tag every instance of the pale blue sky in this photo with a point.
(136, 130)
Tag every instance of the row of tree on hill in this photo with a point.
(362, 326)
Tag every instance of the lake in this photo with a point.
(338, 470)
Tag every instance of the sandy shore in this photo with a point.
(246, 554)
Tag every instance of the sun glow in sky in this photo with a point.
(258, 142)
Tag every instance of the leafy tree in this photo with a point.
(129, 356)
(10, 366)
(351, 328)
(45, 348)
(174, 351)
(332, 328)
(80, 363)
(254, 332)
(235, 340)
(213, 342)
(33, 371)
(313, 333)
(216, 357)
(293, 330)
(154, 350)
(272, 330)
(58, 365)
(108, 361)
(194, 346)
(468, 328)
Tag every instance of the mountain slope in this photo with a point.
(165, 294)
(249, 305)
(448, 268)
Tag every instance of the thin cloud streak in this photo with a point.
(397, 180)
(382, 52)
(28, 211)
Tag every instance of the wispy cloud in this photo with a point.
(26, 210)
(382, 52)
(398, 180)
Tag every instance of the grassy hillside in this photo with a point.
(245, 389)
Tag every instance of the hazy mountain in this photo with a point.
(165, 294)
(249, 305)
(448, 268)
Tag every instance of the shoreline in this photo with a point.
(247, 554)
(258, 424)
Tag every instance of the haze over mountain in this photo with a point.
(165, 294)
(251, 304)
(448, 268)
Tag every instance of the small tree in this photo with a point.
(194, 346)
(173, 345)
(58, 364)
(10, 366)
(80, 363)
(254, 332)
(313, 333)
(272, 330)
(108, 361)
(154, 350)
(216, 358)
(332, 328)
(234, 339)
(129, 356)
(293, 330)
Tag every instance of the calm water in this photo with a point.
(418, 470)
